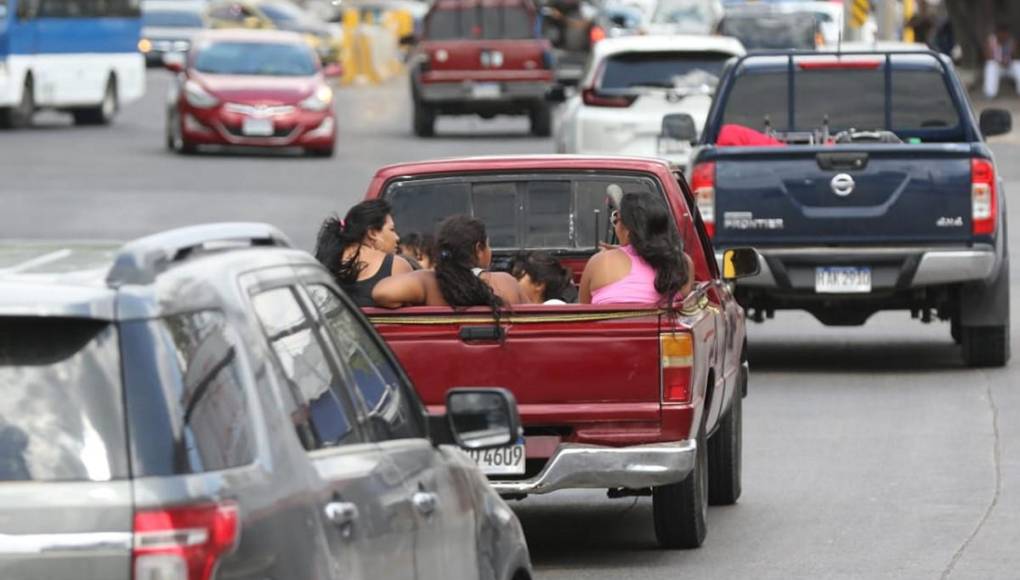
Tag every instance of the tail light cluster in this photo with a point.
(703, 186)
(983, 197)
(183, 543)
(592, 98)
(677, 350)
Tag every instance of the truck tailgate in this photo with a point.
(844, 194)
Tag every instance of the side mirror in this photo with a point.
(482, 418)
(995, 122)
(333, 70)
(174, 61)
(679, 127)
(557, 94)
(740, 263)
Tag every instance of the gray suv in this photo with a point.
(205, 403)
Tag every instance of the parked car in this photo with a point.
(632, 84)
(206, 403)
(867, 187)
(325, 40)
(630, 398)
(169, 26)
(481, 59)
(251, 88)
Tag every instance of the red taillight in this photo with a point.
(703, 187)
(596, 34)
(839, 65)
(983, 200)
(183, 543)
(677, 352)
(594, 99)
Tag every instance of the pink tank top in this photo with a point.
(638, 286)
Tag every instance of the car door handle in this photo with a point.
(425, 502)
(341, 513)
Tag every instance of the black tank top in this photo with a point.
(361, 291)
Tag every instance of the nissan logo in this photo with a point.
(842, 185)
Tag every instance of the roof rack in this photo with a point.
(140, 261)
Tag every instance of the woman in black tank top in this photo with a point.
(359, 244)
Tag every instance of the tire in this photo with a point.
(175, 140)
(724, 451)
(985, 346)
(104, 112)
(20, 117)
(541, 120)
(679, 509)
(424, 119)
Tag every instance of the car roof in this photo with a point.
(667, 42)
(244, 35)
(517, 163)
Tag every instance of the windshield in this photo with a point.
(663, 69)
(847, 98)
(171, 19)
(282, 12)
(482, 22)
(61, 415)
(688, 14)
(256, 58)
(771, 31)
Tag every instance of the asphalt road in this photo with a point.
(869, 452)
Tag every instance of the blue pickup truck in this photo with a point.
(865, 182)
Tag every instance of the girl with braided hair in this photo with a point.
(459, 279)
(359, 249)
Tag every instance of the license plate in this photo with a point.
(254, 127)
(842, 280)
(485, 91)
(508, 460)
(669, 146)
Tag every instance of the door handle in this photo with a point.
(425, 502)
(341, 513)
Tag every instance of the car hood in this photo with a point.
(254, 89)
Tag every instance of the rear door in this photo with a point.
(445, 545)
(65, 496)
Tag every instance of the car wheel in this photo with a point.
(541, 120)
(680, 509)
(424, 120)
(104, 112)
(724, 450)
(984, 342)
(20, 116)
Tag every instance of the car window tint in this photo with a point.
(921, 100)
(548, 220)
(187, 395)
(256, 58)
(304, 362)
(756, 100)
(61, 416)
(814, 92)
(419, 206)
(687, 70)
(496, 205)
(392, 413)
(481, 22)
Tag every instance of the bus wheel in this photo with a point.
(20, 116)
(101, 114)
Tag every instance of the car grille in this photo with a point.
(259, 110)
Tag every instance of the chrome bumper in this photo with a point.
(462, 91)
(576, 466)
(935, 266)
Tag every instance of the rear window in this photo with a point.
(61, 410)
(480, 22)
(920, 103)
(537, 211)
(663, 69)
(772, 31)
(187, 398)
(172, 19)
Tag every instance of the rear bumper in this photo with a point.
(896, 268)
(465, 92)
(576, 466)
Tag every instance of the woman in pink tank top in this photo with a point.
(649, 266)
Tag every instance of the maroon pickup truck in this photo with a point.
(482, 57)
(635, 399)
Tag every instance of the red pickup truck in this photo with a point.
(482, 57)
(629, 398)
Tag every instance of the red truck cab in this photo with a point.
(632, 398)
(482, 57)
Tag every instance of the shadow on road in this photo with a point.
(803, 355)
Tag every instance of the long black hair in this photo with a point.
(656, 241)
(543, 268)
(336, 235)
(456, 242)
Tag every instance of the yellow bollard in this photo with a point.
(348, 57)
(908, 15)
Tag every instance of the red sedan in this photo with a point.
(253, 89)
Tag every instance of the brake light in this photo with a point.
(677, 358)
(982, 197)
(183, 543)
(596, 34)
(593, 99)
(703, 186)
(839, 65)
